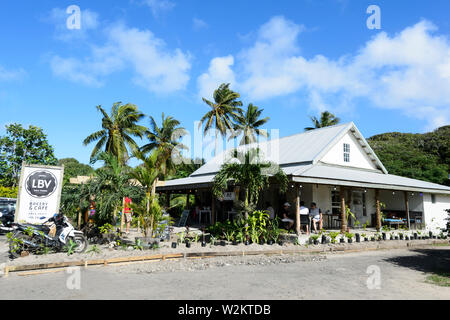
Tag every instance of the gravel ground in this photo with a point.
(334, 276)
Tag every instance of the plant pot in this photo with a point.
(384, 236)
(324, 239)
(401, 237)
(430, 234)
(261, 241)
(366, 239)
(396, 237)
(415, 236)
(235, 243)
(247, 242)
(349, 240)
(316, 241)
(358, 237)
(174, 244)
(434, 237)
(342, 240)
(188, 244)
(270, 242)
(203, 243)
(406, 238)
(223, 243)
(372, 239)
(280, 242)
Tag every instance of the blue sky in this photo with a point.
(291, 58)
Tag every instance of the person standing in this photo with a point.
(127, 213)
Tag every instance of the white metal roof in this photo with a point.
(299, 156)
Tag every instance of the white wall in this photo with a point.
(322, 197)
(358, 157)
(435, 213)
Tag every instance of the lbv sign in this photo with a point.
(39, 193)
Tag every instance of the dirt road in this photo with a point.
(335, 276)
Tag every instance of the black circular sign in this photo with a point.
(40, 184)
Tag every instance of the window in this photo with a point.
(346, 152)
(433, 198)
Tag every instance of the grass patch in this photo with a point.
(440, 279)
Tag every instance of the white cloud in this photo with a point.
(219, 72)
(159, 6)
(156, 68)
(408, 71)
(88, 21)
(10, 75)
(199, 24)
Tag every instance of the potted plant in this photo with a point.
(384, 236)
(324, 238)
(364, 236)
(188, 243)
(349, 236)
(406, 237)
(392, 236)
(333, 236)
(415, 235)
(174, 244)
(357, 237)
(372, 239)
(400, 235)
(342, 239)
(313, 239)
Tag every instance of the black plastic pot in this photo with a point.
(270, 242)
(174, 244)
(280, 242)
(235, 243)
(188, 244)
(384, 235)
(401, 237)
(357, 237)
(223, 243)
(247, 242)
(203, 243)
(396, 237)
(342, 240)
(406, 238)
(434, 237)
(366, 239)
(372, 239)
(430, 234)
(316, 241)
(261, 241)
(415, 236)
(349, 240)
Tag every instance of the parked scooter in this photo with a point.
(6, 221)
(54, 233)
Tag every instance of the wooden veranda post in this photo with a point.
(79, 219)
(213, 210)
(297, 209)
(187, 200)
(343, 213)
(378, 210)
(407, 209)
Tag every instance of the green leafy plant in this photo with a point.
(138, 244)
(70, 247)
(333, 236)
(313, 238)
(181, 236)
(349, 235)
(104, 229)
(29, 231)
(93, 249)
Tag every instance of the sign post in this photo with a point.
(39, 193)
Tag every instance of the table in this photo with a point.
(208, 212)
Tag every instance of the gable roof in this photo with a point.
(302, 148)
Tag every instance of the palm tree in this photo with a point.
(326, 119)
(147, 174)
(165, 139)
(223, 109)
(248, 124)
(250, 172)
(118, 131)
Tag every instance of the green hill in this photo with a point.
(419, 156)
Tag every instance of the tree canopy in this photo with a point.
(19, 145)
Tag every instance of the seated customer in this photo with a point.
(304, 216)
(316, 215)
(288, 222)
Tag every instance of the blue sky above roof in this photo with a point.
(291, 58)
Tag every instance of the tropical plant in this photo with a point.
(138, 244)
(165, 140)
(93, 249)
(333, 235)
(248, 170)
(349, 235)
(224, 109)
(326, 119)
(248, 125)
(70, 247)
(118, 130)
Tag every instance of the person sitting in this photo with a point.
(304, 216)
(316, 215)
(288, 222)
(270, 210)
